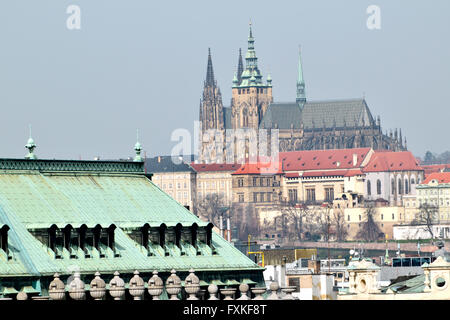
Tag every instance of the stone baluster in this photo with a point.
(97, 288)
(244, 288)
(76, 288)
(213, 289)
(117, 287)
(155, 286)
(192, 285)
(173, 285)
(228, 293)
(57, 289)
(22, 296)
(288, 292)
(136, 286)
(201, 294)
(258, 292)
(427, 281)
(273, 289)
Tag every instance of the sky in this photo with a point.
(139, 64)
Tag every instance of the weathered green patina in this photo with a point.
(39, 194)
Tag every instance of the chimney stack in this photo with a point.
(355, 159)
(228, 230)
(221, 225)
(159, 159)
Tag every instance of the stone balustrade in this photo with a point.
(75, 289)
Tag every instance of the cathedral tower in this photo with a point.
(250, 96)
(211, 107)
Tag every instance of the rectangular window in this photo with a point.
(348, 218)
(241, 197)
(329, 194)
(255, 197)
(269, 197)
(261, 197)
(292, 195)
(240, 182)
(311, 195)
(254, 181)
(261, 182)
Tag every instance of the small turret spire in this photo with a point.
(137, 148)
(240, 68)
(30, 146)
(301, 96)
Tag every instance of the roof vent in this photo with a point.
(314, 158)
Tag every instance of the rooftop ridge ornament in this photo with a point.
(137, 148)
(30, 146)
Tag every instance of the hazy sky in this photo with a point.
(141, 64)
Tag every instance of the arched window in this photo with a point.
(245, 118)
(368, 188)
(400, 185)
(392, 186)
(406, 186)
(412, 180)
(378, 186)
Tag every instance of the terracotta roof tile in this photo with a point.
(392, 161)
(441, 177)
(323, 159)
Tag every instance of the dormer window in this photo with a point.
(4, 239)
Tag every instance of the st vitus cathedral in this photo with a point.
(301, 124)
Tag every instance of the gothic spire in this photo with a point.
(301, 96)
(240, 67)
(209, 71)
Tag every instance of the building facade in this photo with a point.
(175, 178)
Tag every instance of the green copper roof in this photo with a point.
(40, 193)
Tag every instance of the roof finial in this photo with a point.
(30, 146)
(137, 148)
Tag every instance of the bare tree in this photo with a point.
(211, 207)
(322, 222)
(298, 216)
(339, 224)
(428, 216)
(369, 230)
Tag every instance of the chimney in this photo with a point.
(221, 225)
(314, 266)
(355, 159)
(159, 159)
(228, 230)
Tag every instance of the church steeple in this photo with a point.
(209, 71)
(301, 96)
(240, 68)
(211, 108)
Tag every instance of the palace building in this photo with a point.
(301, 124)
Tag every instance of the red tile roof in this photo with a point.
(202, 167)
(392, 161)
(322, 159)
(260, 168)
(434, 168)
(441, 177)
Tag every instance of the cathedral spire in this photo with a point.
(301, 96)
(209, 71)
(240, 67)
